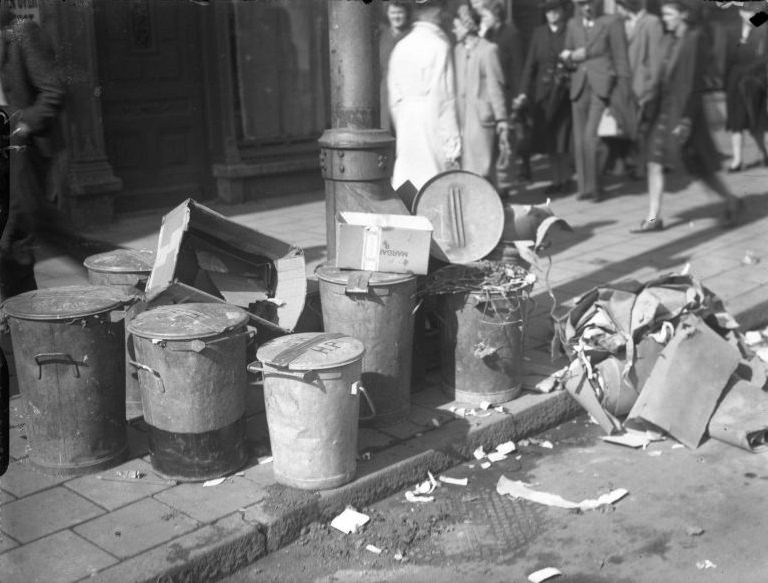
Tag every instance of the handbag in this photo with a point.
(608, 126)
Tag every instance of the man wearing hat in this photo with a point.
(422, 100)
(596, 48)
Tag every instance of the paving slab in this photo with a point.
(46, 512)
(6, 542)
(63, 557)
(23, 479)
(136, 528)
(209, 503)
(203, 555)
(113, 494)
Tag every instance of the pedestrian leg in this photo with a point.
(737, 142)
(580, 110)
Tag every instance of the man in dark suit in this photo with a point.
(31, 94)
(596, 49)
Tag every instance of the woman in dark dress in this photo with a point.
(679, 130)
(745, 85)
(545, 86)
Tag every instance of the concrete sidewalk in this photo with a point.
(67, 530)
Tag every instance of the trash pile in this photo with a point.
(667, 354)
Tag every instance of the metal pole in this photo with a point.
(356, 158)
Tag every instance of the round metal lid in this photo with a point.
(466, 213)
(62, 303)
(333, 274)
(310, 351)
(187, 321)
(122, 261)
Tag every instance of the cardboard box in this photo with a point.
(204, 256)
(390, 243)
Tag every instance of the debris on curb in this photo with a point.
(350, 520)
(705, 564)
(479, 453)
(411, 497)
(506, 448)
(543, 574)
(517, 489)
(454, 481)
(373, 549)
(214, 482)
(694, 531)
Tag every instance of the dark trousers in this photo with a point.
(587, 109)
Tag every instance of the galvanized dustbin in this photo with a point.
(127, 270)
(311, 387)
(68, 349)
(377, 309)
(191, 360)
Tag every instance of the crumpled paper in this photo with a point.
(517, 489)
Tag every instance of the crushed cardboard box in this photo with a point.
(202, 256)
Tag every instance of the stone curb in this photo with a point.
(236, 540)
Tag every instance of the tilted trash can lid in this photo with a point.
(62, 303)
(122, 261)
(467, 215)
(311, 351)
(187, 321)
(333, 274)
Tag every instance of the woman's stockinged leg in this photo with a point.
(655, 190)
(737, 141)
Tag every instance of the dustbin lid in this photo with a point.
(311, 351)
(333, 274)
(122, 261)
(466, 213)
(62, 303)
(187, 321)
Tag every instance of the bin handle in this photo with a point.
(54, 355)
(307, 376)
(150, 370)
(200, 345)
(358, 388)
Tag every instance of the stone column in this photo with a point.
(356, 158)
(90, 184)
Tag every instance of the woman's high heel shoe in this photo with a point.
(733, 169)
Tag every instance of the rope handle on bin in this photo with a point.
(150, 370)
(358, 388)
(53, 356)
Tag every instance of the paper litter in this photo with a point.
(485, 405)
(543, 574)
(518, 489)
(454, 481)
(215, 482)
(495, 456)
(634, 438)
(479, 453)
(654, 453)
(485, 465)
(506, 448)
(373, 549)
(694, 531)
(705, 564)
(411, 497)
(349, 520)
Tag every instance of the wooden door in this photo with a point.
(150, 73)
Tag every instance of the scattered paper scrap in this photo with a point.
(495, 456)
(398, 556)
(479, 453)
(762, 354)
(435, 422)
(518, 489)
(215, 482)
(485, 465)
(501, 410)
(678, 446)
(543, 575)
(130, 474)
(240, 474)
(753, 337)
(267, 459)
(373, 549)
(656, 453)
(634, 438)
(506, 448)
(349, 520)
(411, 497)
(694, 531)
(366, 456)
(705, 564)
(485, 405)
(427, 486)
(454, 481)
(750, 258)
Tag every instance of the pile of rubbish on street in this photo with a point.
(665, 355)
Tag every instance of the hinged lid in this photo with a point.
(122, 261)
(187, 321)
(466, 213)
(311, 351)
(333, 274)
(62, 303)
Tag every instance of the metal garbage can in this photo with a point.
(68, 350)
(127, 270)
(481, 311)
(191, 361)
(377, 309)
(311, 387)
